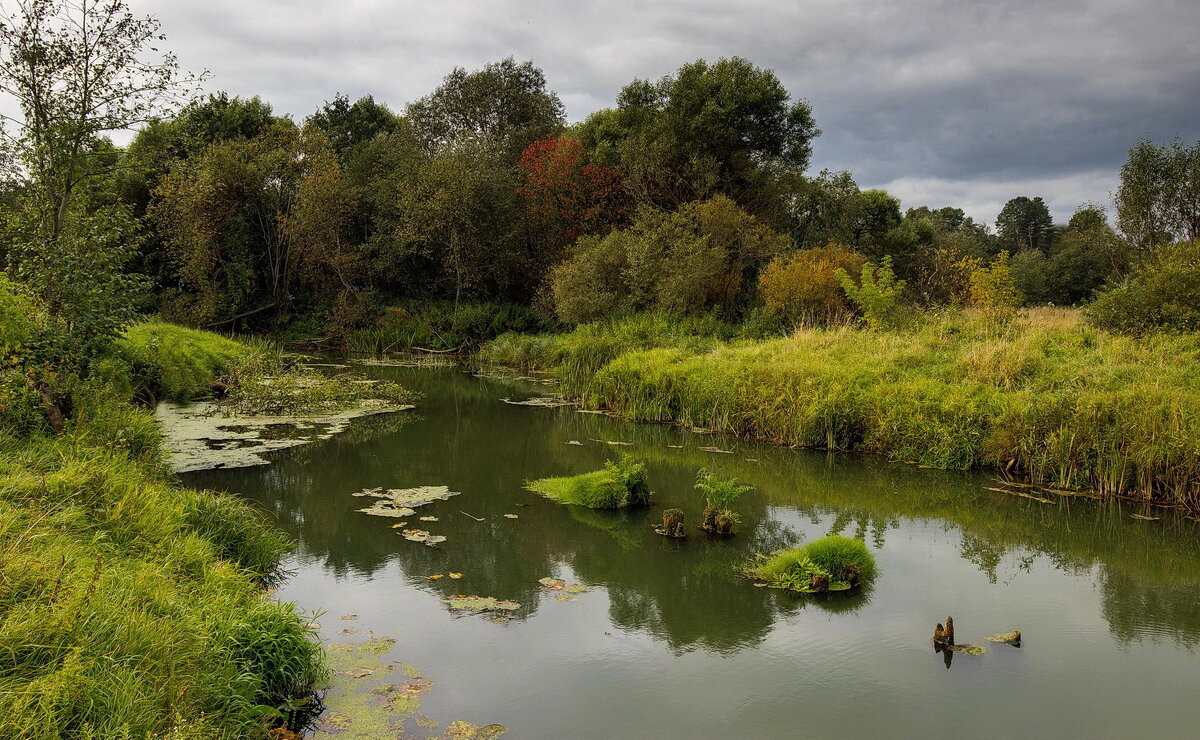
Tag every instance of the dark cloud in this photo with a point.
(965, 103)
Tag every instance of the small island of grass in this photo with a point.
(615, 486)
(833, 563)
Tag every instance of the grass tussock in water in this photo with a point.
(617, 485)
(1048, 397)
(833, 563)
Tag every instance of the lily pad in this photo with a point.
(420, 535)
(575, 588)
(552, 584)
(387, 508)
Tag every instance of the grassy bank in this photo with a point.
(130, 606)
(1048, 397)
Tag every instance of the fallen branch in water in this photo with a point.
(460, 511)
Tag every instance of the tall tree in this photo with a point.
(709, 128)
(1025, 223)
(78, 70)
(349, 126)
(506, 105)
(1159, 195)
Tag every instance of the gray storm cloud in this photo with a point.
(961, 103)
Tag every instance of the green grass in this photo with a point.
(1065, 404)
(617, 485)
(131, 607)
(838, 562)
(173, 362)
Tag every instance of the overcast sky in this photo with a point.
(941, 103)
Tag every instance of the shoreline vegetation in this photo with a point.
(1046, 399)
(130, 605)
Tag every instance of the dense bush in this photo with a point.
(1161, 292)
(803, 287)
(706, 255)
(877, 295)
(994, 292)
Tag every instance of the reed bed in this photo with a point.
(1046, 397)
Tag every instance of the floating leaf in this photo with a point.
(575, 588)
(409, 497)
(675, 447)
(349, 616)
(429, 518)
(574, 442)
(387, 508)
(1145, 518)
(716, 449)
(510, 516)
(358, 673)
(456, 576)
(349, 631)
(420, 535)
(552, 584)
(564, 597)
(399, 525)
(435, 576)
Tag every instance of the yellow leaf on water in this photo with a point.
(435, 577)
(456, 576)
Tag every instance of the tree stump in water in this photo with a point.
(944, 635)
(818, 582)
(717, 521)
(672, 524)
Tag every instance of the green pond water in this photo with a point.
(669, 642)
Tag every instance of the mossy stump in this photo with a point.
(718, 522)
(672, 524)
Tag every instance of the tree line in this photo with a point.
(690, 194)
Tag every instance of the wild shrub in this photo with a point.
(1162, 292)
(719, 495)
(994, 292)
(803, 287)
(706, 255)
(877, 294)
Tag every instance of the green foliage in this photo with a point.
(803, 287)
(619, 484)
(1161, 292)
(842, 561)
(877, 294)
(506, 105)
(440, 325)
(706, 254)
(1025, 223)
(711, 128)
(1159, 197)
(16, 321)
(719, 493)
(994, 292)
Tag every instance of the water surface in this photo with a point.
(671, 642)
